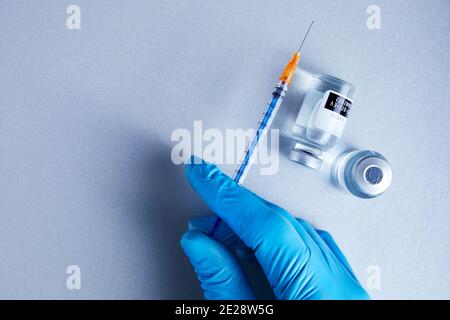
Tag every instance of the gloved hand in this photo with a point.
(298, 261)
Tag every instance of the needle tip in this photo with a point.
(304, 38)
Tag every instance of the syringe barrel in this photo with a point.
(239, 177)
(263, 128)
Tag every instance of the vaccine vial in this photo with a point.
(322, 118)
(363, 173)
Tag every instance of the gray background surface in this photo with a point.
(86, 118)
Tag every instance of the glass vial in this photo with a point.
(322, 118)
(363, 173)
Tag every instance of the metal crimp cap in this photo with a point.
(373, 175)
(303, 155)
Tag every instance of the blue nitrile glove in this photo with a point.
(298, 261)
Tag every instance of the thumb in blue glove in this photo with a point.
(298, 261)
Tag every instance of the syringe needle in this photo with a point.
(263, 126)
(289, 70)
(304, 38)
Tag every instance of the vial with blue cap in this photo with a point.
(363, 173)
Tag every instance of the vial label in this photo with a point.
(332, 113)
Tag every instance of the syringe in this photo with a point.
(268, 116)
